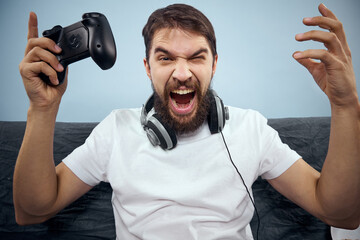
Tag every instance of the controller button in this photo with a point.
(74, 41)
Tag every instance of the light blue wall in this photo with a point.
(255, 44)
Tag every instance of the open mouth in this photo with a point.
(182, 100)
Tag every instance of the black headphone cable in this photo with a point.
(247, 190)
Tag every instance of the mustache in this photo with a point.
(171, 85)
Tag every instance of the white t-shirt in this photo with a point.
(189, 192)
(344, 234)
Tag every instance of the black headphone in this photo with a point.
(161, 134)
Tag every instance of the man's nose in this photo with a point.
(182, 71)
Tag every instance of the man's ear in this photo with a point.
(147, 68)
(214, 64)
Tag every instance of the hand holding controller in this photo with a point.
(90, 37)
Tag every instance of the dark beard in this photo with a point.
(181, 127)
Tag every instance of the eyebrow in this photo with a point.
(198, 52)
(160, 49)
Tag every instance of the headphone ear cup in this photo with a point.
(216, 117)
(212, 117)
(165, 136)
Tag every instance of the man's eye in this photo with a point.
(198, 58)
(164, 59)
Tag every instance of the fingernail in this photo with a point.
(307, 19)
(324, 5)
(57, 48)
(297, 55)
(299, 35)
(60, 67)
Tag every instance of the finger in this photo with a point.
(315, 68)
(32, 26)
(323, 22)
(326, 12)
(306, 62)
(50, 72)
(320, 54)
(38, 54)
(33, 70)
(330, 22)
(330, 40)
(45, 43)
(334, 25)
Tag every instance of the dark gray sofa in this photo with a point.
(91, 216)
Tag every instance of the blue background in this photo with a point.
(255, 45)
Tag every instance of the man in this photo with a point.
(191, 191)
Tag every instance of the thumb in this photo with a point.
(316, 69)
(32, 26)
(308, 63)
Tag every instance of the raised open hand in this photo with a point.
(334, 73)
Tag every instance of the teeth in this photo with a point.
(182, 91)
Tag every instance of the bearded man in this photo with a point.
(190, 186)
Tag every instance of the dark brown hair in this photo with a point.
(179, 16)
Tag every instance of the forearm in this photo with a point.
(339, 185)
(35, 181)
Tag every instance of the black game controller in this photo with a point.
(92, 36)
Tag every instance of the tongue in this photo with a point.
(183, 98)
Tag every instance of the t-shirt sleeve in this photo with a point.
(277, 156)
(88, 161)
